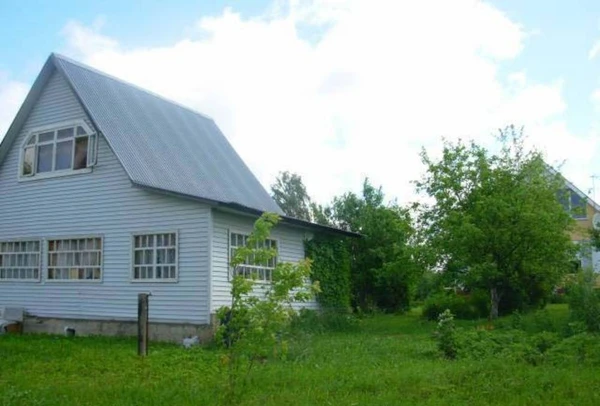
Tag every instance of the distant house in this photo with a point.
(585, 212)
(106, 191)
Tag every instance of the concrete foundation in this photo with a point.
(173, 332)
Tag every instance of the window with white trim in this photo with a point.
(75, 259)
(250, 269)
(59, 150)
(20, 260)
(155, 257)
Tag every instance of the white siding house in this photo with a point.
(107, 191)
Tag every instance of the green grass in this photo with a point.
(389, 360)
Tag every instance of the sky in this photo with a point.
(338, 90)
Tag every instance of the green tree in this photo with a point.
(290, 194)
(253, 327)
(384, 271)
(496, 217)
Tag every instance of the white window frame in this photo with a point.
(76, 237)
(257, 267)
(39, 267)
(92, 152)
(133, 249)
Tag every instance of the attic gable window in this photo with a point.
(59, 150)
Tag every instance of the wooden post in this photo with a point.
(143, 324)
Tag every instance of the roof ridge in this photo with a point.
(112, 77)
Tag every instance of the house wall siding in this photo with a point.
(291, 249)
(102, 203)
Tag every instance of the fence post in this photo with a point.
(143, 324)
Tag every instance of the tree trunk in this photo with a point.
(494, 302)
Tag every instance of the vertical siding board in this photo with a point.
(100, 203)
(291, 249)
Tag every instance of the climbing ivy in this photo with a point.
(331, 267)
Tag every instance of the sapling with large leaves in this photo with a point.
(254, 327)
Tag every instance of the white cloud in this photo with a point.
(594, 51)
(12, 94)
(379, 81)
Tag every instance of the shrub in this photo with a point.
(583, 348)
(514, 345)
(446, 334)
(544, 341)
(254, 327)
(584, 300)
(535, 322)
(482, 343)
(466, 307)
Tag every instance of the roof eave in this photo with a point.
(229, 206)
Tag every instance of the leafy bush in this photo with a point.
(583, 348)
(584, 300)
(514, 345)
(446, 334)
(466, 307)
(253, 327)
(482, 343)
(537, 322)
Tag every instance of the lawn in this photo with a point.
(387, 360)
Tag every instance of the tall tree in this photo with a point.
(383, 270)
(497, 218)
(290, 194)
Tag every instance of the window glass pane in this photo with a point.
(65, 133)
(81, 153)
(32, 140)
(148, 257)
(44, 159)
(80, 130)
(138, 257)
(161, 255)
(64, 154)
(171, 256)
(45, 137)
(28, 158)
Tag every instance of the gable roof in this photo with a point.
(585, 197)
(162, 145)
(574, 188)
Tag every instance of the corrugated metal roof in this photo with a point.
(163, 145)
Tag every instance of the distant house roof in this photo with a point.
(163, 146)
(574, 188)
(587, 199)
